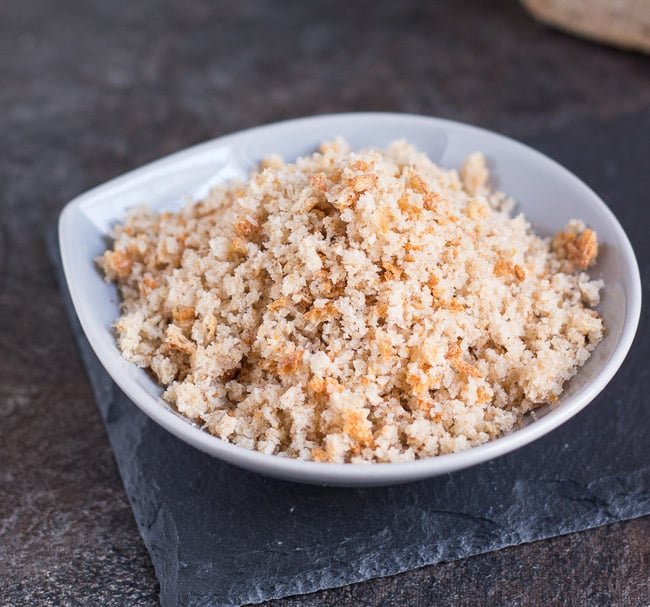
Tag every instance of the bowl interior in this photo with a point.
(545, 192)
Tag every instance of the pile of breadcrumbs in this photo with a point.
(355, 307)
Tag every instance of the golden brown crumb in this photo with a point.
(245, 229)
(183, 314)
(118, 263)
(317, 384)
(289, 363)
(238, 245)
(579, 248)
(361, 183)
(519, 273)
(356, 429)
(319, 181)
(278, 304)
(332, 386)
(584, 253)
(319, 455)
(466, 368)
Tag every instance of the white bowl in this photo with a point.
(548, 194)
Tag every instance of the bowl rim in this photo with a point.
(358, 474)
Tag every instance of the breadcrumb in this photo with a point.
(355, 306)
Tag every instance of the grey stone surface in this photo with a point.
(90, 89)
(218, 535)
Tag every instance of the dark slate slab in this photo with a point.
(218, 535)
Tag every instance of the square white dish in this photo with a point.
(548, 195)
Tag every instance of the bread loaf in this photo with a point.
(623, 23)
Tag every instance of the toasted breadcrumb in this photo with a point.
(355, 306)
(577, 244)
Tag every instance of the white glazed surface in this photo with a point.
(548, 195)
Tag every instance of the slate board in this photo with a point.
(218, 535)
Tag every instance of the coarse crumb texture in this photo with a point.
(355, 307)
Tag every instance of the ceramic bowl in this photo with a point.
(548, 194)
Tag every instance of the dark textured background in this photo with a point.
(89, 89)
